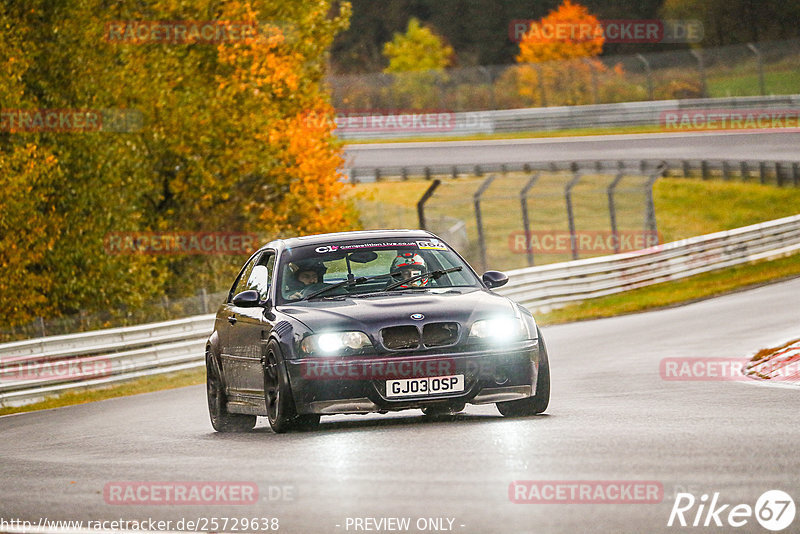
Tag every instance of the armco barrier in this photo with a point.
(781, 173)
(35, 368)
(549, 286)
(622, 114)
(163, 347)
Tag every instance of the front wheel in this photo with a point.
(221, 420)
(281, 410)
(537, 403)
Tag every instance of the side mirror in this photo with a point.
(247, 299)
(494, 279)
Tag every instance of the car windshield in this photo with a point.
(370, 267)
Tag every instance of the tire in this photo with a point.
(439, 410)
(537, 403)
(281, 411)
(221, 420)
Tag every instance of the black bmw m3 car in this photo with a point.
(369, 321)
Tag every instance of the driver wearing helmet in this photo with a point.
(409, 264)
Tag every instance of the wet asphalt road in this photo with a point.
(703, 145)
(611, 417)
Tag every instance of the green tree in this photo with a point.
(417, 49)
(417, 60)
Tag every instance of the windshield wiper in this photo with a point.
(433, 274)
(349, 283)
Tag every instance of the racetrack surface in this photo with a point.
(611, 417)
(760, 145)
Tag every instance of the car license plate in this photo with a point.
(432, 385)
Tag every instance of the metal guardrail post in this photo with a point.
(701, 69)
(651, 226)
(421, 204)
(744, 170)
(542, 93)
(478, 220)
(704, 170)
(796, 174)
(612, 210)
(489, 83)
(760, 62)
(593, 72)
(726, 171)
(686, 168)
(649, 72)
(573, 238)
(526, 225)
(762, 172)
(204, 299)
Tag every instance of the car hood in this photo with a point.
(369, 314)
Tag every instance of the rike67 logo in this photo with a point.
(774, 510)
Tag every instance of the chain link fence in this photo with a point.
(737, 70)
(516, 219)
(164, 309)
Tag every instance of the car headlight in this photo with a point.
(335, 343)
(498, 330)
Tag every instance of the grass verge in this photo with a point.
(669, 294)
(145, 384)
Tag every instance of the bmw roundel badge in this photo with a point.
(417, 316)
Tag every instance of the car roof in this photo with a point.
(324, 239)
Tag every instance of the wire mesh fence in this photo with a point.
(164, 309)
(736, 70)
(517, 219)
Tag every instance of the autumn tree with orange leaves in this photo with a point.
(559, 51)
(230, 141)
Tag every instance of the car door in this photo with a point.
(250, 329)
(228, 335)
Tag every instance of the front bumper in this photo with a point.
(358, 384)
